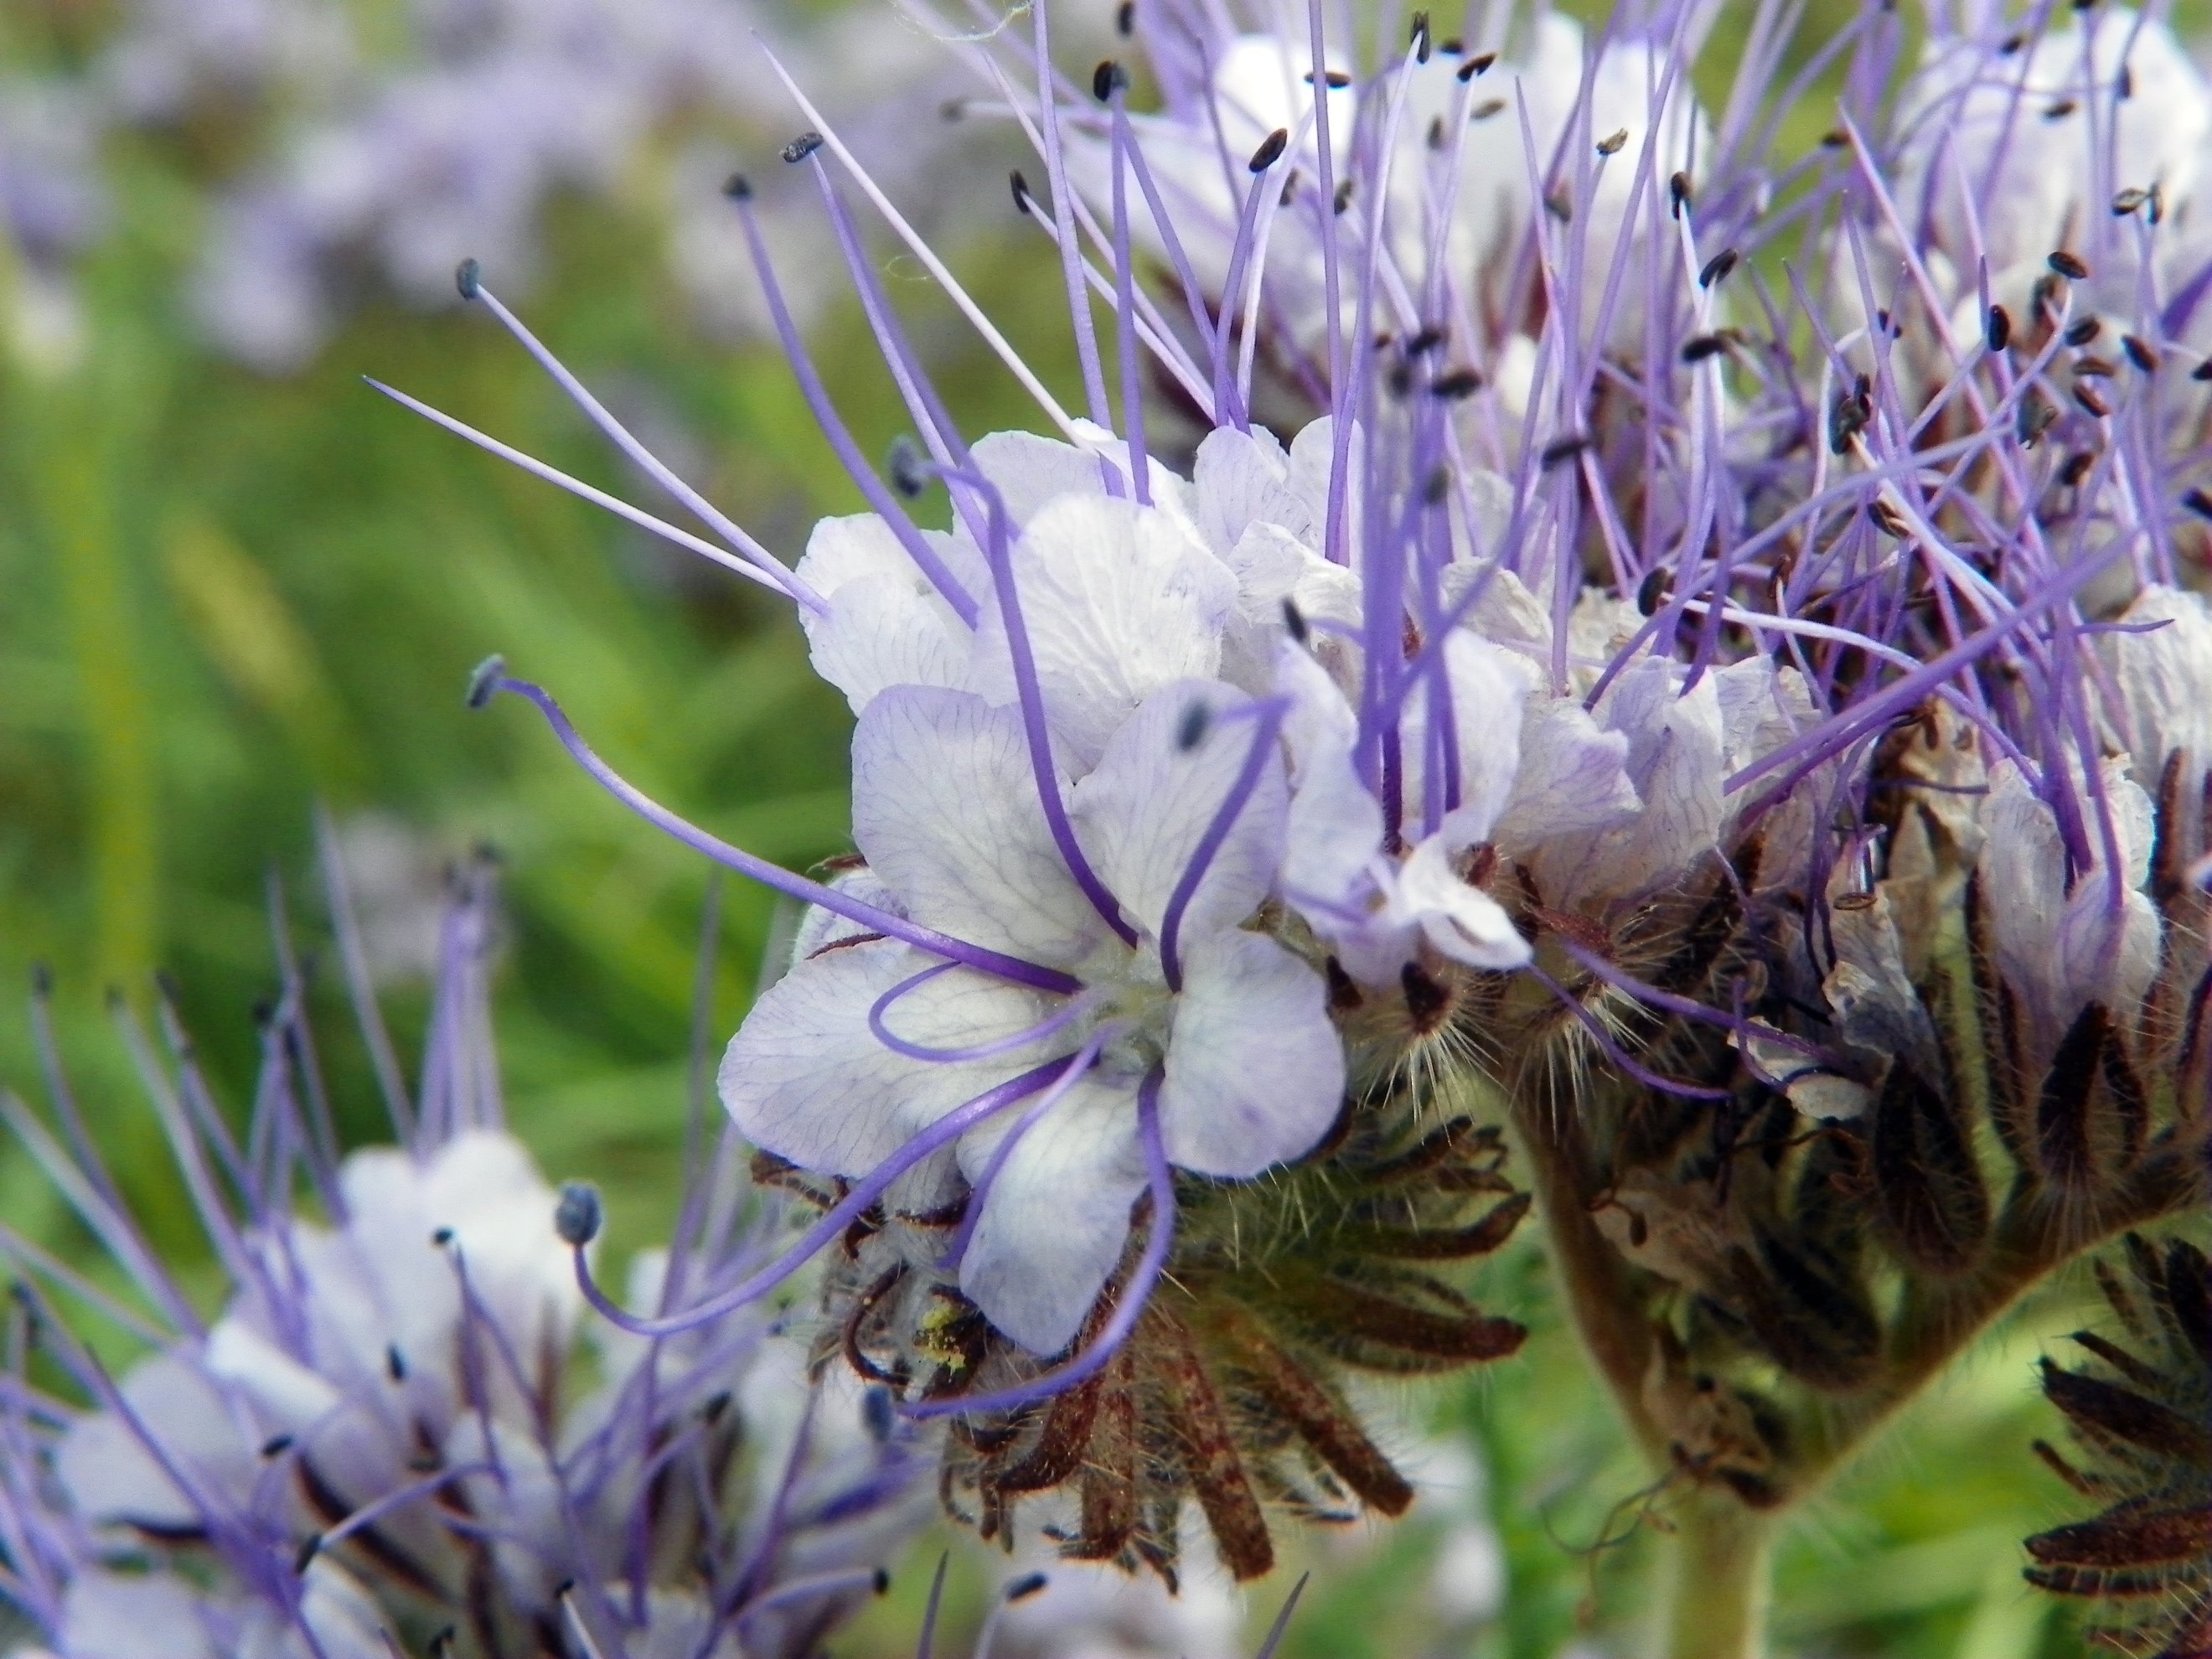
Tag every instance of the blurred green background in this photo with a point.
(226, 597)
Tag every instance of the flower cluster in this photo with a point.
(388, 1433)
(338, 163)
(1478, 657)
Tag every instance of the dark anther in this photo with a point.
(2091, 399)
(1125, 18)
(1436, 132)
(881, 1581)
(907, 466)
(2061, 109)
(276, 1445)
(1436, 486)
(1021, 189)
(951, 110)
(1271, 150)
(2011, 44)
(2157, 202)
(468, 276)
(1424, 341)
(1678, 194)
(2032, 419)
(1835, 138)
(310, 1547)
(1399, 380)
(2127, 201)
(2141, 353)
(2076, 468)
(1652, 590)
(2203, 371)
(1452, 47)
(1420, 37)
(1337, 80)
(715, 1407)
(2124, 86)
(2089, 368)
(1717, 268)
(1998, 329)
(1560, 205)
(1476, 64)
(578, 1215)
(1025, 1586)
(1563, 449)
(1343, 196)
(442, 1237)
(1699, 347)
(1486, 109)
(1847, 418)
(42, 980)
(1425, 998)
(1294, 620)
(2080, 333)
(1613, 142)
(1456, 382)
(484, 681)
(1887, 518)
(802, 147)
(1109, 78)
(738, 188)
(2068, 266)
(1191, 730)
(2198, 502)
(395, 1363)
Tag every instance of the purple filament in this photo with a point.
(1268, 717)
(979, 1195)
(995, 963)
(877, 1014)
(1129, 1302)
(855, 1204)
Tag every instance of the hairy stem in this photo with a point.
(1717, 1581)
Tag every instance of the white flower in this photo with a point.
(2161, 663)
(946, 813)
(2064, 944)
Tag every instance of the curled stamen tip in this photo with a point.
(485, 679)
(802, 147)
(738, 188)
(1271, 150)
(578, 1216)
(1021, 189)
(1190, 732)
(1025, 1586)
(1109, 78)
(907, 466)
(468, 277)
(1614, 143)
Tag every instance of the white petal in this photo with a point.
(1573, 777)
(945, 810)
(1054, 1221)
(1463, 922)
(110, 1475)
(1142, 812)
(116, 1615)
(1030, 473)
(1243, 478)
(1119, 601)
(2164, 678)
(805, 1078)
(1255, 1070)
(1335, 827)
(1488, 689)
(886, 624)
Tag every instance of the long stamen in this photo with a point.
(1268, 719)
(1129, 1301)
(493, 679)
(833, 1224)
(472, 288)
(1125, 306)
(881, 1011)
(792, 588)
(832, 424)
(1035, 729)
(979, 1192)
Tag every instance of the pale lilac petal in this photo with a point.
(805, 1078)
(1489, 687)
(110, 1476)
(1243, 478)
(886, 624)
(1144, 811)
(1335, 826)
(1055, 1219)
(2164, 680)
(1254, 1069)
(1119, 601)
(945, 810)
(116, 1615)
(1462, 921)
(1573, 778)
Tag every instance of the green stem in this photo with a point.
(1717, 1584)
